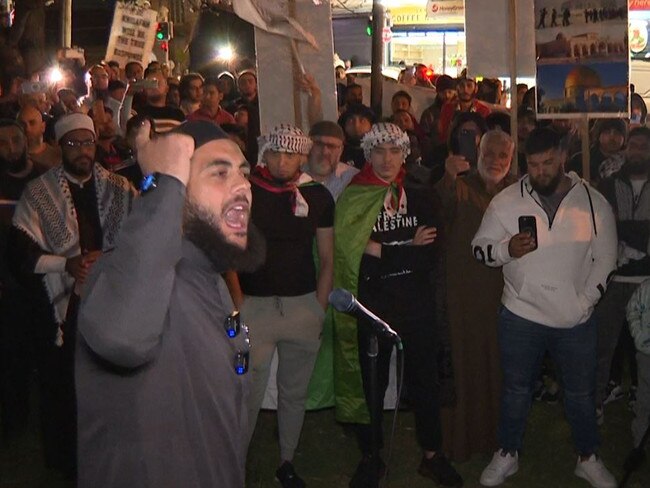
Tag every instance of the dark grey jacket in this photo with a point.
(159, 403)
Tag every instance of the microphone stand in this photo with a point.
(375, 425)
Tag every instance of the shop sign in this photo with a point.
(437, 9)
(435, 12)
(386, 35)
(639, 4)
(638, 36)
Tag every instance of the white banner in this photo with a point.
(443, 9)
(133, 34)
(488, 37)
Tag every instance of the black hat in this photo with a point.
(201, 131)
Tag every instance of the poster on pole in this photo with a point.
(582, 58)
(133, 34)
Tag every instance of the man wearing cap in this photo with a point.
(386, 253)
(445, 93)
(63, 222)
(324, 161)
(285, 300)
(16, 304)
(162, 358)
(466, 90)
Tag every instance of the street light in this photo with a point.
(225, 53)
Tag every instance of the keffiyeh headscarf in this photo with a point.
(382, 133)
(284, 138)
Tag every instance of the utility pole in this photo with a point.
(66, 23)
(376, 78)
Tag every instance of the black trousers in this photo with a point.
(420, 378)
(16, 361)
(58, 402)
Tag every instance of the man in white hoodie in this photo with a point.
(552, 282)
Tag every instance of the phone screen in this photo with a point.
(467, 146)
(528, 224)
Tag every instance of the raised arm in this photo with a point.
(125, 302)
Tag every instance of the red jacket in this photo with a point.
(222, 117)
(450, 109)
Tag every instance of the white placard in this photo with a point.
(488, 38)
(133, 34)
(275, 67)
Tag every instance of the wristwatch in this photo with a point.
(149, 182)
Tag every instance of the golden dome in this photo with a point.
(582, 77)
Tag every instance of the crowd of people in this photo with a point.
(153, 346)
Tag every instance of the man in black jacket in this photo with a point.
(629, 194)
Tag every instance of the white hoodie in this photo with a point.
(560, 282)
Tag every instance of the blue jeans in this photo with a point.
(522, 344)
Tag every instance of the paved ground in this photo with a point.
(328, 455)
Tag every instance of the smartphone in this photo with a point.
(467, 146)
(29, 87)
(144, 84)
(528, 224)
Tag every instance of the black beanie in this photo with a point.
(201, 131)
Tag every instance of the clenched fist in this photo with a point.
(168, 154)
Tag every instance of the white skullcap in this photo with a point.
(70, 122)
(284, 138)
(382, 133)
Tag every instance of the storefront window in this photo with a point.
(443, 50)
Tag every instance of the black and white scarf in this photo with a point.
(47, 215)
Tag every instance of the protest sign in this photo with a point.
(132, 34)
(582, 58)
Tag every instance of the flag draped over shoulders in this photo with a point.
(356, 213)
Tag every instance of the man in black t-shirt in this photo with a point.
(285, 300)
(164, 116)
(396, 277)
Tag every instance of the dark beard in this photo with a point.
(636, 167)
(549, 189)
(14, 166)
(201, 229)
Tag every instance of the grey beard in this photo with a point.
(202, 229)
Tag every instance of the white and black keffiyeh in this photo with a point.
(46, 214)
(284, 138)
(383, 133)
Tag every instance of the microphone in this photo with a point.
(345, 302)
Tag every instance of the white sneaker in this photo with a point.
(594, 471)
(501, 466)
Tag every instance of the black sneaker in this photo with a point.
(363, 474)
(287, 476)
(439, 470)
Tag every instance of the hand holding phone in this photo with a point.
(526, 241)
(456, 165)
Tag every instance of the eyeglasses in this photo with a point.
(328, 145)
(233, 325)
(78, 144)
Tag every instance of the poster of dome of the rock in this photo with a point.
(582, 58)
